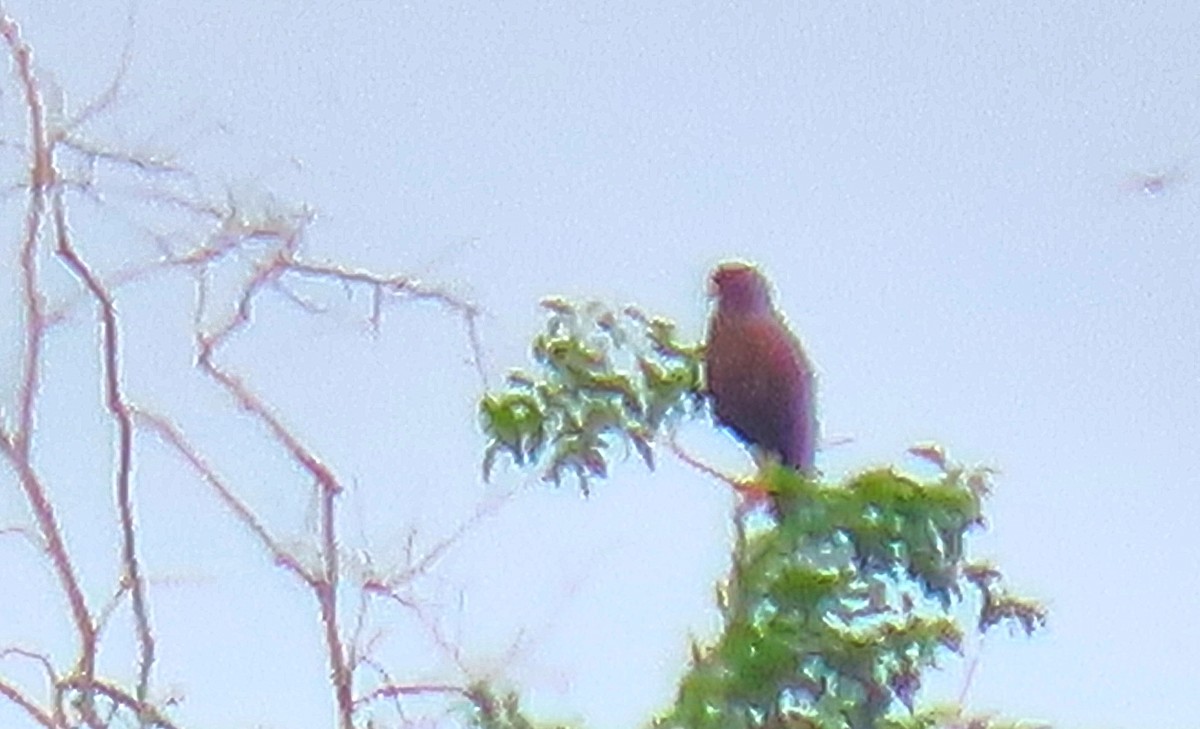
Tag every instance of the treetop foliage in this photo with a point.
(835, 607)
(603, 375)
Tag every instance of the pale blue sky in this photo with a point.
(946, 195)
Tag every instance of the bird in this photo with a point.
(760, 382)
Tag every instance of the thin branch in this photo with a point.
(41, 659)
(14, 694)
(390, 691)
(386, 679)
(422, 565)
(326, 590)
(702, 467)
(21, 531)
(285, 234)
(969, 678)
(94, 153)
(113, 91)
(123, 472)
(173, 437)
(410, 287)
(451, 651)
(147, 713)
(354, 656)
(43, 177)
(46, 214)
(51, 675)
(63, 311)
(325, 586)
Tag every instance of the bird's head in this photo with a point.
(739, 287)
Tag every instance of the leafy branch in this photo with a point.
(602, 376)
(835, 609)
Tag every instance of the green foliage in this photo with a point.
(489, 710)
(833, 614)
(836, 606)
(603, 377)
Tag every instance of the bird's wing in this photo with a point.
(762, 385)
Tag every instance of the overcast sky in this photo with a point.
(980, 218)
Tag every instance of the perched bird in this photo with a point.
(761, 383)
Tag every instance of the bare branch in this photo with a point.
(285, 234)
(326, 591)
(272, 240)
(17, 446)
(422, 564)
(689, 459)
(173, 437)
(410, 287)
(41, 177)
(13, 694)
(418, 689)
(123, 471)
(147, 713)
(41, 659)
(113, 91)
(94, 152)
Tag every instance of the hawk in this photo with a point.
(760, 381)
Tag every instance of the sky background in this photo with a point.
(949, 197)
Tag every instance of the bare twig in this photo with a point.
(395, 690)
(30, 707)
(422, 564)
(173, 437)
(274, 241)
(16, 446)
(147, 713)
(701, 466)
(123, 472)
(113, 91)
(43, 662)
(969, 678)
(326, 591)
(41, 177)
(283, 235)
(407, 286)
